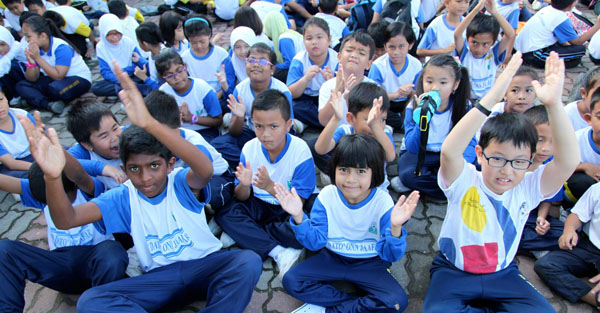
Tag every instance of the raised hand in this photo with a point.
(402, 211)
(222, 77)
(568, 240)
(289, 201)
(337, 105)
(244, 174)
(551, 92)
(114, 173)
(490, 6)
(262, 179)
(132, 99)
(45, 149)
(349, 83)
(480, 5)
(236, 107)
(374, 118)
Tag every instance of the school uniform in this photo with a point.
(184, 46)
(201, 100)
(76, 27)
(15, 143)
(79, 258)
(338, 29)
(429, 9)
(76, 82)
(82, 154)
(594, 49)
(482, 71)
(154, 80)
(562, 269)
(235, 67)
(478, 242)
(384, 73)
(263, 8)
(439, 34)
(290, 44)
(259, 223)
(576, 119)
(579, 181)
(12, 19)
(206, 67)
(176, 250)
(306, 105)
(357, 239)
(325, 94)
(510, 11)
(11, 65)
(545, 32)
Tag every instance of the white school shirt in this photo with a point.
(482, 71)
(109, 182)
(385, 74)
(293, 167)
(588, 150)
(98, 5)
(587, 210)
(219, 164)
(76, 68)
(74, 19)
(429, 9)
(439, 34)
(200, 98)
(594, 46)
(546, 27)
(481, 230)
(325, 94)
(168, 228)
(15, 143)
(354, 230)
(184, 46)
(576, 119)
(510, 11)
(245, 92)
(300, 65)
(336, 27)
(206, 67)
(290, 45)
(225, 9)
(13, 20)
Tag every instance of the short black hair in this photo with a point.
(25, 15)
(591, 77)
(361, 37)
(247, 16)
(529, 71)
(37, 185)
(272, 99)
(509, 126)
(33, 2)
(148, 32)
(167, 23)
(165, 59)
(328, 6)
(561, 4)
(55, 17)
(362, 95)
(62, 2)
(482, 24)
(595, 99)
(118, 8)
(262, 47)
(359, 151)
(163, 107)
(318, 22)
(197, 25)
(377, 32)
(7, 2)
(135, 140)
(84, 118)
(402, 29)
(537, 115)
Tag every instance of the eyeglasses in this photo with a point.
(177, 73)
(261, 62)
(500, 162)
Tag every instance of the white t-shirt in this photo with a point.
(385, 74)
(15, 143)
(590, 153)
(336, 27)
(325, 94)
(76, 65)
(206, 67)
(438, 34)
(74, 19)
(300, 65)
(510, 11)
(594, 46)
(575, 117)
(245, 92)
(482, 71)
(219, 164)
(546, 27)
(587, 210)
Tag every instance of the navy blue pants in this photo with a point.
(453, 290)
(225, 279)
(426, 183)
(209, 133)
(70, 269)
(561, 269)
(310, 281)
(221, 189)
(15, 173)
(45, 89)
(531, 241)
(259, 226)
(230, 147)
(9, 81)
(105, 88)
(306, 110)
(571, 54)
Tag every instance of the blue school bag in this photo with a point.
(361, 15)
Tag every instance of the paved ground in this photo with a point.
(28, 225)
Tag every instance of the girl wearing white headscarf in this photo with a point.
(113, 46)
(241, 39)
(12, 60)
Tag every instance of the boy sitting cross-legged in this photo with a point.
(157, 206)
(487, 210)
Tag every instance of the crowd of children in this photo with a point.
(141, 215)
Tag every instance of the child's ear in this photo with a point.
(587, 117)
(170, 165)
(479, 154)
(350, 118)
(288, 124)
(582, 92)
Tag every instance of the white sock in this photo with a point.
(278, 249)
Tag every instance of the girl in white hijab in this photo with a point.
(12, 60)
(113, 46)
(241, 39)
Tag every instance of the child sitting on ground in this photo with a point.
(578, 109)
(15, 157)
(439, 35)
(360, 229)
(171, 29)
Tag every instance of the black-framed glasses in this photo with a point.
(500, 162)
(261, 62)
(172, 76)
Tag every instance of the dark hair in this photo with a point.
(46, 25)
(165, 59)
(247, 16)
(33, 2)
(37, 184)
(7, 2)
(400, 29)
(595, 99)
(262, 47)
(168, 23)
(561, 4)
(118, 8)
(163, 107)
(272, 99)
(135, 140)
(537, 115)
(148, 32)
(362, 95)
(463, 91)
(25, 15)
(84, 118)
(359, 151)
(328, 6)
(483, 23)
(591, 78)
(318, 22)
(362, 38)
(509, 126)
(529, 71)
(197, 25)
(62, 2)
(377, 32)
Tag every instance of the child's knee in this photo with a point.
(545, 266)
(248, 264)
(110, 257)
(291, 282)
(6, 248)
